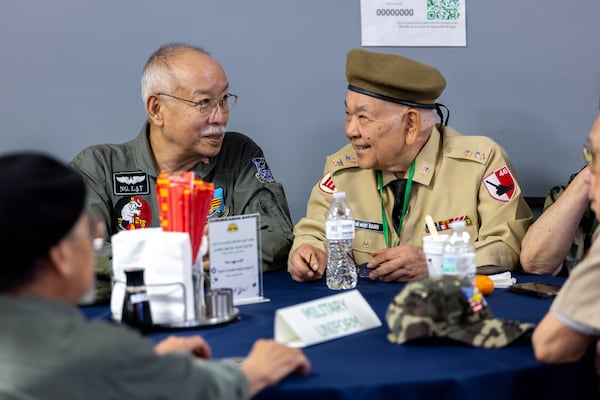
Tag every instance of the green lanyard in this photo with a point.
(386, 227)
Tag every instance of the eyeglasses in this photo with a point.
(96, 232)
(588, 156)
(207, 106)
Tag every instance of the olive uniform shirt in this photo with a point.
(456, 177)
(577, 303)
(121, 182)
(49, 351)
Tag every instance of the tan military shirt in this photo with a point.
(578, 298)
(456, 177)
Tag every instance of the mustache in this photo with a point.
(212, 130)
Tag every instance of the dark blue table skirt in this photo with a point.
(367, 366)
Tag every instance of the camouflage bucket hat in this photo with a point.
(448, 307)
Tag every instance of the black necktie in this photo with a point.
(398, 186)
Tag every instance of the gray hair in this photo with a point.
(157, 75)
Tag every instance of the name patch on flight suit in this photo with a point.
(130, 183)
(500, 184)
(368, 225)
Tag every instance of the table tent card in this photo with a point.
(324, 319)
(235, 257)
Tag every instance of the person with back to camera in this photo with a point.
(49, 351)
(397, 151)
(573, 322)
(187, 100)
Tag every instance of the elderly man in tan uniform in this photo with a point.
(573, 322)
(397, 147)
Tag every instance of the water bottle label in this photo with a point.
(139, 297)
(449, 266)
(340, 229)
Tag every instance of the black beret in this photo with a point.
(393, 78)
(41, 200)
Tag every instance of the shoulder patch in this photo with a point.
(500, 184)
(263, 173)
(326, 184)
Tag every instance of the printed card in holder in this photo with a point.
(324, 319)
(235, 257)
(166, 258)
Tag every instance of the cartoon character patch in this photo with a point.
(218, 208)
(130, 183)
(500, 184)
(263, 173)
(326, 184)
(133, 213)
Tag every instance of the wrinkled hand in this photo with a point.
(398, 264)
(307, 263)
(269, 362)
(189, 344)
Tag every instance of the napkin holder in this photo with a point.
(176, 290)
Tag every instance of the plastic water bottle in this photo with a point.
(339, 231)
(458, 257)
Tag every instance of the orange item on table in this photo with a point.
(485, 284)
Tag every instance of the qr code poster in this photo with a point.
(413, 23)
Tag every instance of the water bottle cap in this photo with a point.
(458, 224)
(339, 195)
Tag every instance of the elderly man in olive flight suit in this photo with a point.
(187, 99)
(398, 152)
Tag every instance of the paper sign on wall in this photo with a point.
(324, 319)
(413, 22)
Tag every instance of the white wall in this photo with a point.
(529, 77)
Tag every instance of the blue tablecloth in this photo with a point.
(367, 366)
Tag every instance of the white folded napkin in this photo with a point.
(167, 260)
(503, 280)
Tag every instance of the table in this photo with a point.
(366, 366)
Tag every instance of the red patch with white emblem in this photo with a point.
(133, 212)
(500, 184)
(326, 185)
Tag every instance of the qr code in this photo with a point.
(443, 9)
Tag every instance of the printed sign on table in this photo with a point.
(324, 319)
(235, 257)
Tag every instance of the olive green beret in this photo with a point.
(393, 78)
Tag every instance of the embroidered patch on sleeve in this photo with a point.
(217, 207)
(500, 184)
(133, 212)
(263, 173)
(326, 184)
